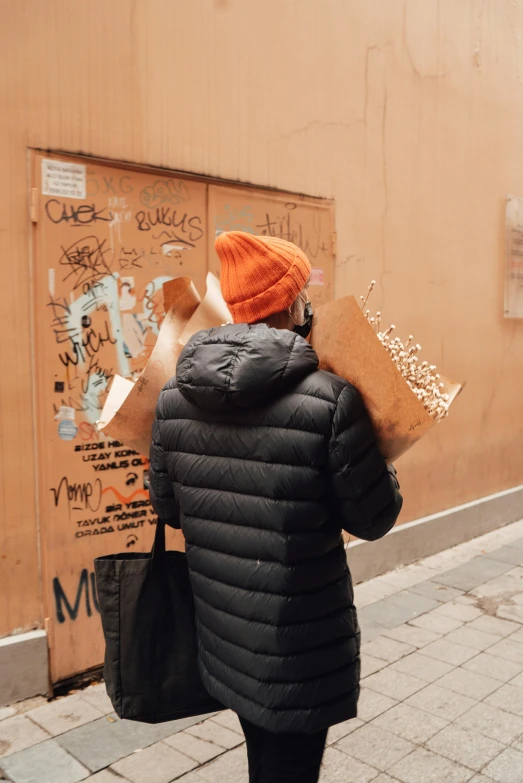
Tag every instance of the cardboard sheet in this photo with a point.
(131, 422)
(128, 413)
(347, 346)
(212, 311)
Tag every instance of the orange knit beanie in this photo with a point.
(260, 276)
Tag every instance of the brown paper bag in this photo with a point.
(347, 346)
(128, 414)
(212, 311)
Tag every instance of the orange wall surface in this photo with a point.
(408, 113)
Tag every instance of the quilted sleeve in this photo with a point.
(161, 488)
(363, 490)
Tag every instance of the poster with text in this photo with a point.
(514, 258)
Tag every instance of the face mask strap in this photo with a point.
(303, 330)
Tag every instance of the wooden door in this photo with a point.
(105, 240)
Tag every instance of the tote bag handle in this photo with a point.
(158, 550)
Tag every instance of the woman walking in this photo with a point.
(263, 459)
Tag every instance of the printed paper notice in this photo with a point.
(514, 258)
(61, 178)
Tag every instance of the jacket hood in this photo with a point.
(242, 365)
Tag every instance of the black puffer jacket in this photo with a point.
(263, 459)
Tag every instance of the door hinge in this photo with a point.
(34, 205)
(334, 243)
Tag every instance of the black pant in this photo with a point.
(283, 758)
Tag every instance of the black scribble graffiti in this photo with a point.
(75, 214)
(96, 376)
(85, 344)
(141, 383)
(172, 236)
(285, 227)
(171, 191)
(83, 338)
(86, 261)
(183, 228)
(63, 331)
(130, 259)
(61, 312)
(78, 497)
(87, 586)
(152, 308)
(61, 323)
(96, 295)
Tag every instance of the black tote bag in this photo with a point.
(147, 611)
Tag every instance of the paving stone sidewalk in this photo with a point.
(442, 694)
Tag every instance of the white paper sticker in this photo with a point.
(317, 277)
(118, 391)
(167, 249)
(127, 299)
(65, 414)
(60, 178)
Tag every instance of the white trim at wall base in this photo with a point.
(23, 667)
(24, 657)
(430, 535)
